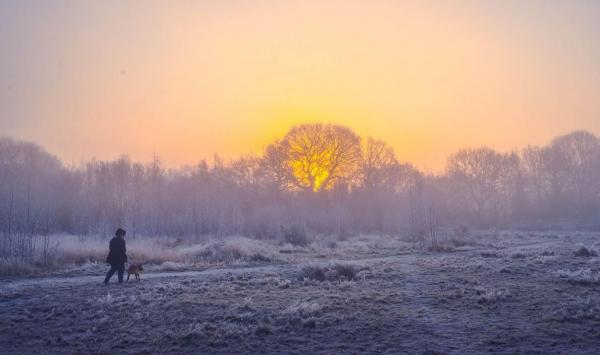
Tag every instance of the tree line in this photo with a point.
(321, 176)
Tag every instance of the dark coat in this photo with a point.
(117, 251)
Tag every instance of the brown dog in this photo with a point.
(135, 269)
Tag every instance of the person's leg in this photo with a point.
(121, 270)
(109, 274)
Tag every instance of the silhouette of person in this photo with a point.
(117, 256)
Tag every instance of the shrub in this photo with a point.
(461, 237)
(295, 234)
(232, 250)
(585, 252)
(489, 254)
(346, 271)
(263, 330)
(335, 272)
(313, 272)
(259, 258)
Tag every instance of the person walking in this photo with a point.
(117, 256)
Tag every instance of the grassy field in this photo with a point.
(502, 292)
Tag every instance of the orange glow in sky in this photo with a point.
(185, 79)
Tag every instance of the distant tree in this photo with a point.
(379, 166)
(245, 171)
(483, 181)
(28, 180)
(275, 165)
(368, 190)
(572, 170)
(533, 166)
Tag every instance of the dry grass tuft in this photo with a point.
(585, 252)
(295, 234)
(335, 272)
(578, 310)
(303, 308)
(580, 276)
(491, 296)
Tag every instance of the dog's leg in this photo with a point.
(128, 274)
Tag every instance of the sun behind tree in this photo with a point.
(313, 157)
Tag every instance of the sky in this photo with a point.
(184, 80)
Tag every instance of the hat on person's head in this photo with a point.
(120, 232)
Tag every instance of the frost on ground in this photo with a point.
(85, 255)
(513, 293)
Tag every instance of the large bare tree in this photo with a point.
(313, 157)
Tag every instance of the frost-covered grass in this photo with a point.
(491, 295)
(272, 308)
(79, 249)
(273, 280)
(578, 310)
(333, 272)
(363, 244)
(303, 308)
(232, 250)
(13, 291)
(16, 266)
(160, 250)
(580, 276)
(87, 253)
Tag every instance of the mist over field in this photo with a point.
(320, 178)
